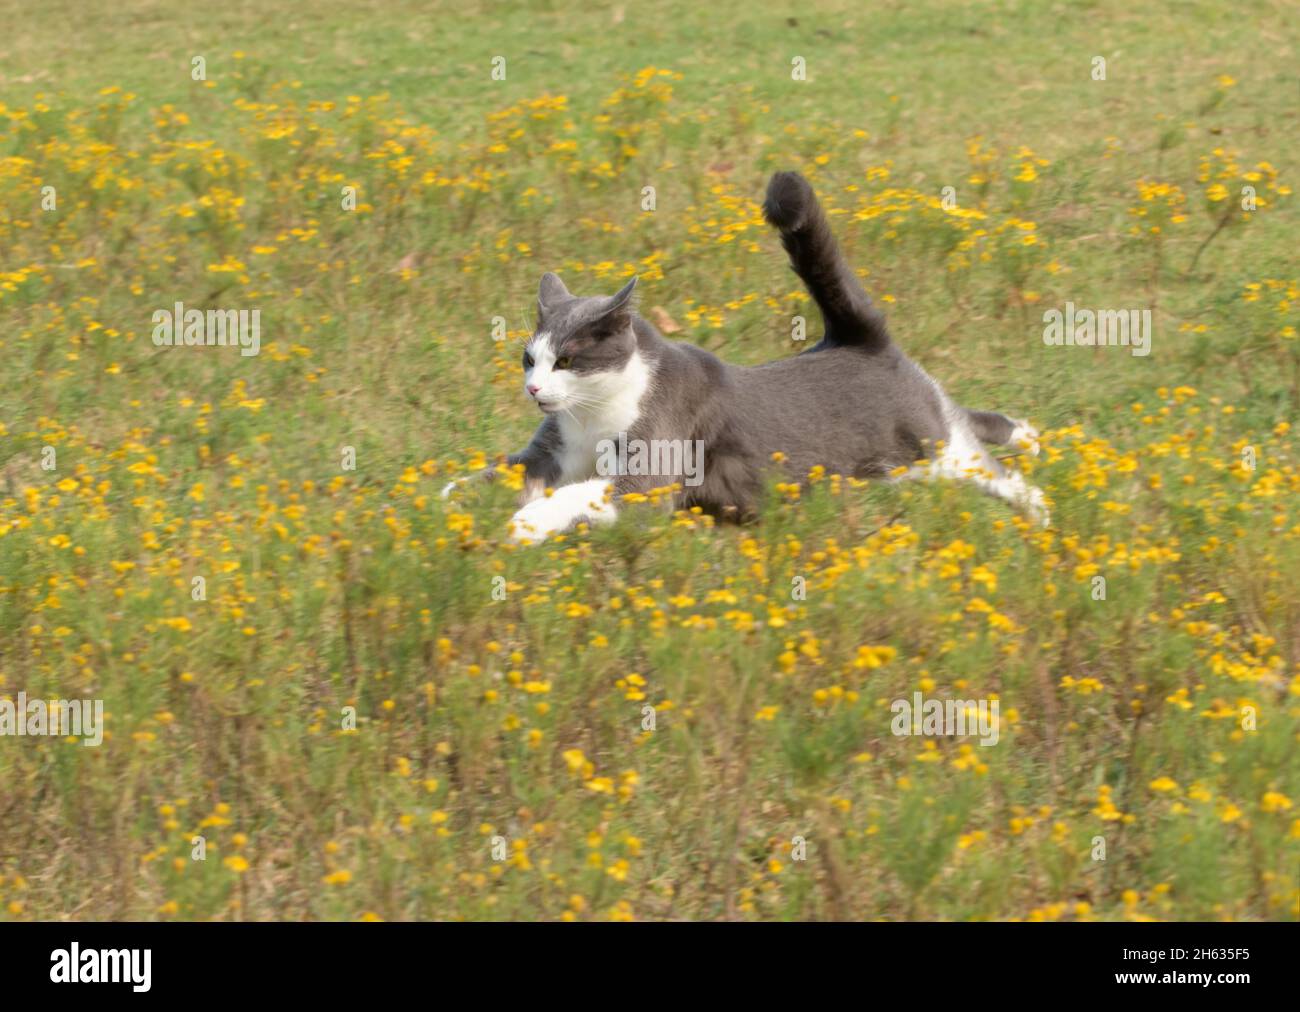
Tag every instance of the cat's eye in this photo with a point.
(563, 362)
(528, 360)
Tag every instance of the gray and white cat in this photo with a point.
(853, 404)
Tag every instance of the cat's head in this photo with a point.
(578, 356)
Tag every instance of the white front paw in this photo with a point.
(561, 510)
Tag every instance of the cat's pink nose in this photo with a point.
(533, 388)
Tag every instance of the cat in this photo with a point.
(853, 404)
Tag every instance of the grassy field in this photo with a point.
(660, 719)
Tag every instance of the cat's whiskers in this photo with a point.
(588, 404)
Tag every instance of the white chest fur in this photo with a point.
(611, 404)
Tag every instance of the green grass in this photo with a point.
(1162, 719)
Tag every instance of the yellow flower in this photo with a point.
(574, 759)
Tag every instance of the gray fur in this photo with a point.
(990, 427)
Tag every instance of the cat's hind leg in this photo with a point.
(992, 427)
(963, 457)
(1011, 487)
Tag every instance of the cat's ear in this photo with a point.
(613, 314)
(619, 298)
(550, 291)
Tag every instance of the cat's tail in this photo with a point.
(850, 319)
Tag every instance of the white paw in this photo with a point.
(561, 510)
(1029, 499)
(485, 475)
(1024, 436)
(1032, 501)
